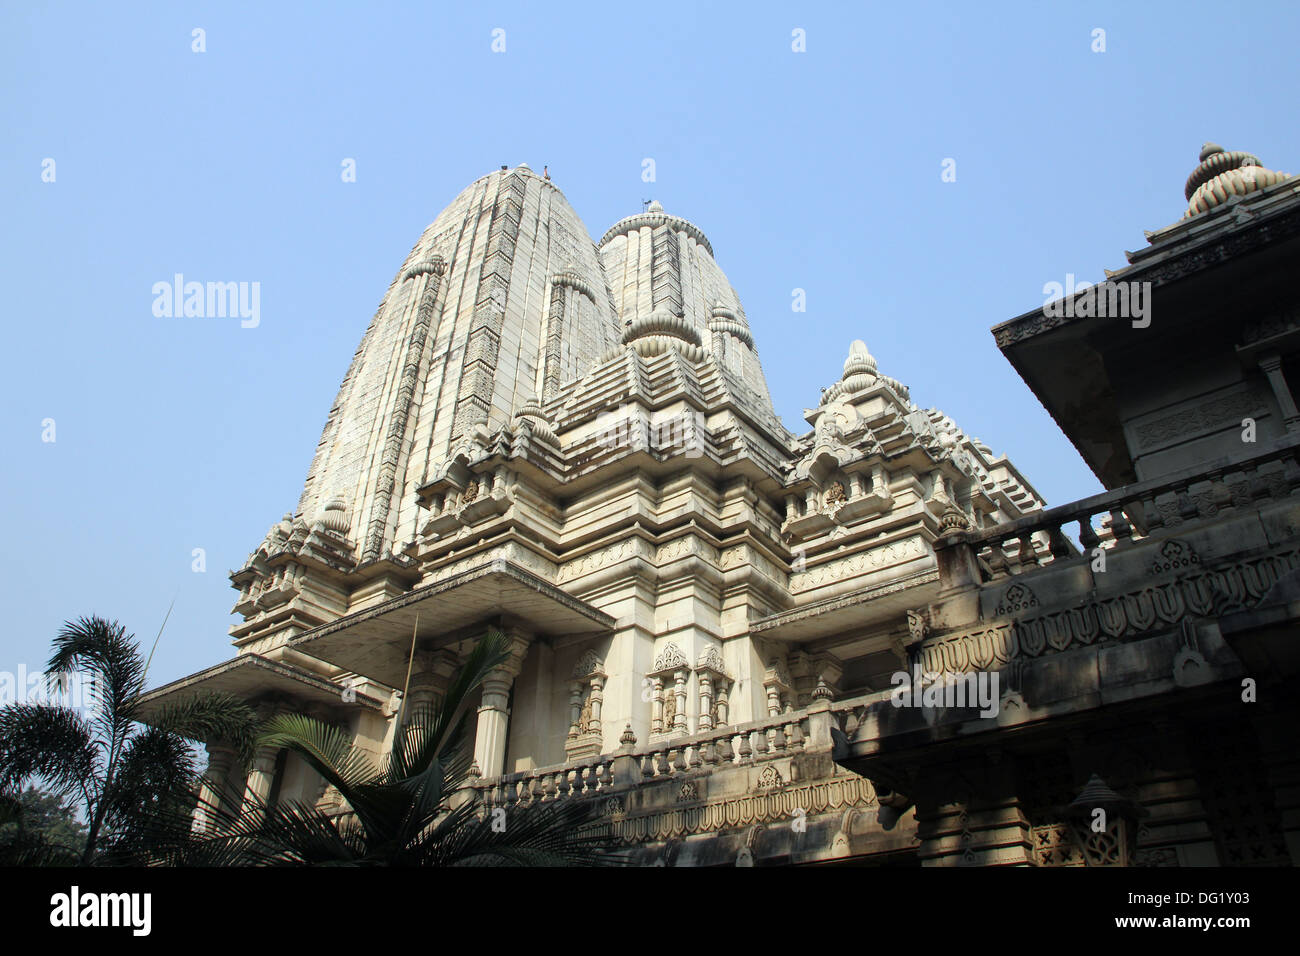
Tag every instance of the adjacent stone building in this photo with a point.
(709, 616)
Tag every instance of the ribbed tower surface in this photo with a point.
(504, 299)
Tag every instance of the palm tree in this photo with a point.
(403, 813)
(122, 776)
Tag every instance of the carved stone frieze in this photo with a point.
(1205, 593)
(1205, 417)
(862, 563)
(835, 794)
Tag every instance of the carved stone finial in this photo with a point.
(821, 691)
(1223, 174)
(335, 516)
(660, 330)
(861, 372)
(627, 738)
(860, 361)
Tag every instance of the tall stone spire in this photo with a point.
(502, 298)
(658, 263)
(502, 301)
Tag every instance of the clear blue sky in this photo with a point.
(819, 170)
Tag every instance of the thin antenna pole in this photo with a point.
(158, 638)
(410, 662)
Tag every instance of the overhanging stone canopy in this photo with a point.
(250, 677)
(1238, 239)
(376, 642)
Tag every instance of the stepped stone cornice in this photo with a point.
(653, 218)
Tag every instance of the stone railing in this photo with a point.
(755, 741)
(849, 714)
(1136, 510)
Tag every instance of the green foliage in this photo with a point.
(39, 828)
(121, 776)
(402, 813)
(138, 787)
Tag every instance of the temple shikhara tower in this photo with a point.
(572, 441)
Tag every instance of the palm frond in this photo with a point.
(25, 848)
(327, 748)
(211, 716)
(157, 771)
(298, 834)
(545, 834)
(347, 768)
(53, 743)
(446, 723)
(103, 650)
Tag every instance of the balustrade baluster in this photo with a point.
(1027, 558)
(998, 560)
(661, 763)
(709, 753)
(1087, 535)
(1057, 543)
(679, 760)
(1119, 527)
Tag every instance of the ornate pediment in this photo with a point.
(589, 664)
(711, 660)
(669, 659)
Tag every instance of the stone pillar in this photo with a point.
(724, 696)
(430, 678)
(773, 700)
(214, 787)
(972, 815)
(626, 769)
(575, 709)
(705, 719)
(679, 719)
(597, 698)
(657, 706)
(819, 720)
(494, 711)
(1271, 365)
(261, 773)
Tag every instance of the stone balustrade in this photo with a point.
(849, 714)
(1135, 511)
(742, 744)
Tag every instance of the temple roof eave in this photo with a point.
(376, 642)
(249, 676)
